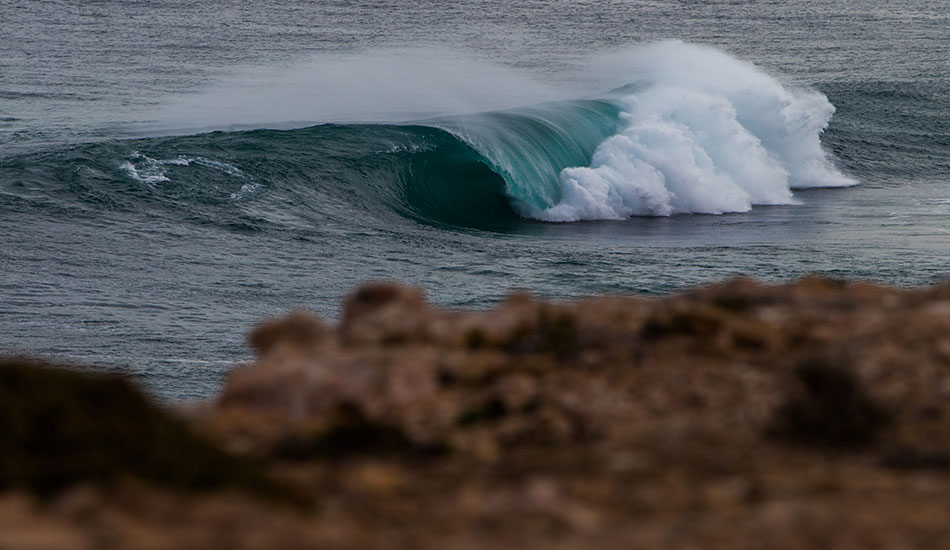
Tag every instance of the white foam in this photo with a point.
(222, 166)
(151, 171)
(144, 169)
(707, 134)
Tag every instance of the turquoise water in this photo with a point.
(170, 173)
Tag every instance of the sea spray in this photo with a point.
(392, 85)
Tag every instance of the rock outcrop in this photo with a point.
(737, 415)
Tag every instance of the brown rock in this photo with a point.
(699, 420)
(300, 329)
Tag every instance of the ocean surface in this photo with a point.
(172, 172)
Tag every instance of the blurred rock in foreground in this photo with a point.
(807, 415)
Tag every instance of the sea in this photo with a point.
(172, 172)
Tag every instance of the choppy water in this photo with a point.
(167, 176)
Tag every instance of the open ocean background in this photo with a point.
(168, 177)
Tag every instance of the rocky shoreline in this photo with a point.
(739, 415)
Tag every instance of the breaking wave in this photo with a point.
(697, 131)
(694, 131)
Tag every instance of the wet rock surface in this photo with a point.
(738, 415)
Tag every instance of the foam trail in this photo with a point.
(151, 171)
(703, 133)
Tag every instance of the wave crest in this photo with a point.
(698, 131)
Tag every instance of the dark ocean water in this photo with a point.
(172, 172)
